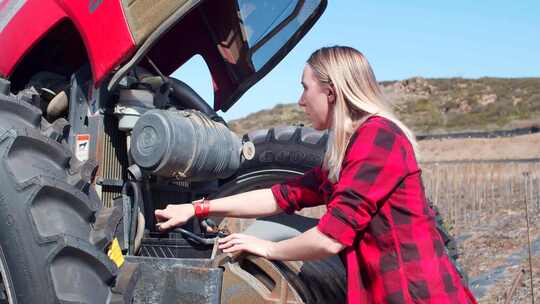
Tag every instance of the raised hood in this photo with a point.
(240, 40)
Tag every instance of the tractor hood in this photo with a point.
(240, 41)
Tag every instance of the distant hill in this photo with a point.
(436, 105)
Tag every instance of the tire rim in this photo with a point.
(6, 287)
(290, 270)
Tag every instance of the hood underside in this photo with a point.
(240, 41)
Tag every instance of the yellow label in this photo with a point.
(115, 253)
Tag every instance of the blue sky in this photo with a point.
(401, 39)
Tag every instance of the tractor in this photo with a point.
(95, 135)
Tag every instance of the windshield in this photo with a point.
(259, 17)
(268, 25)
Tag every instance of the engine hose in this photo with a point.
(194, 237)
(140, 233)
(186, 97)
(137, 196)
(148, 207)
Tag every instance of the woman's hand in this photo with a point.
(241, 242)
(173, 216)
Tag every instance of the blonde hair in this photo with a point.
(357, 97)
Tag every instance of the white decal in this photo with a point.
(82, 150)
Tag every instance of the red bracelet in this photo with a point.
(202, 208)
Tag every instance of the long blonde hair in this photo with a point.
(358, 96)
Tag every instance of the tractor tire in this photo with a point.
(52, 242)
(280, 154)
(292, 148)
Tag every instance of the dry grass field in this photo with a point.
(482, 194)
(484, 207)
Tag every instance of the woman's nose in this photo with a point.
(301, 102)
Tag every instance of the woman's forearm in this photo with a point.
(310, 245)
(250, 204)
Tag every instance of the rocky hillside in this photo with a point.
(437, 105)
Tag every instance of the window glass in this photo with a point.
(260, 18)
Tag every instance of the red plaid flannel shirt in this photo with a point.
(378, 210)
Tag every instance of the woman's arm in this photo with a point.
(288, 196)
(310, 245)
(250, 204)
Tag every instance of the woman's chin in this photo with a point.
(319, 127)
(317, 124)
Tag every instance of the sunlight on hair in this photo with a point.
(358, 96)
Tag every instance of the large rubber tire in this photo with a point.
(281, 154)
(290, 148)
(46, 220)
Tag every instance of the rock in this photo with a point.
(464, 106)
(486, 99)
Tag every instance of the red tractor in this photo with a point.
(95, 135)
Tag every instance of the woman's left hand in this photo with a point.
(241, 242)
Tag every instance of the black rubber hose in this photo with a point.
(148, 207)
(137, 196)
(194, 237)
(186, 97)
(198, 239)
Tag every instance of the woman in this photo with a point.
(377, 216)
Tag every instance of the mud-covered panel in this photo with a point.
(144, 16)
(177, 281)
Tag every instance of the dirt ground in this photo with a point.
(518, 147)
(494, 246)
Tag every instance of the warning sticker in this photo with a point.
(82, 151)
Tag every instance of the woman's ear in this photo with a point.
(331, 95)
